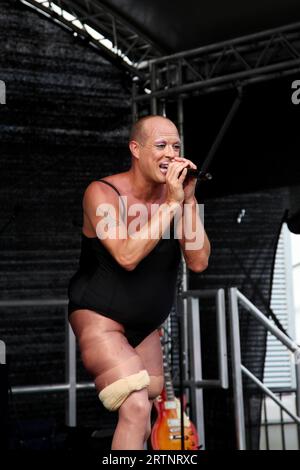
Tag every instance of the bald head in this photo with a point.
(141, 128)
(152, 140)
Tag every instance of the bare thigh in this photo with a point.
(150, 352)
(105, 351)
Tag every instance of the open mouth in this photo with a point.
(164, 167)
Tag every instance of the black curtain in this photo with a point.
(65, 124)
(242, 256)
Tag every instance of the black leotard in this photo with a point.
(140, 299)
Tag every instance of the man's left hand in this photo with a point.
(189, 183)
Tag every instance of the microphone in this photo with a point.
(200, 175)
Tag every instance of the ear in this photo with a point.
(134, 149)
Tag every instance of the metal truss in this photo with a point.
(234, 63)
(229, 64)
(103, 29)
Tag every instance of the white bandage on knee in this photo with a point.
(116, 393)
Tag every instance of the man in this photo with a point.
(126, 282)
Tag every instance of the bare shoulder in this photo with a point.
(93, 192)
(120, 180)
(97, 192)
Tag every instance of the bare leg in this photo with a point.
(131, 433)
(108, 357)
(150, 352)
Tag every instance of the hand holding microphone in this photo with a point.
(192, 171)
(200, 175)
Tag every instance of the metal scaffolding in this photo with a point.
(229, 64)
(103, 29)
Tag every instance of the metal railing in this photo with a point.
(2, 352)
(279, 432)
(193, 379)
(236, 297)
(70, 385)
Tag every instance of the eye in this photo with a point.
(176, 147)
(160, 146)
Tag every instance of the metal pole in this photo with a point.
(180, 120)
(153, 88)
(219, 296)
(228, 120)
(231, 42)
(266, 424)
(297, 370)
(71, 375)
(222, 340)
(185, 271)
(236, 369)
(231, 77)
(2, 353)
(196, 366)
(184, 281)
(163, 108)
(51, 388)
(188, 321)
(289, 343)
(270, 394)
(180, 117)
(180, 110)
(134, 104)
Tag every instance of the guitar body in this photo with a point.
(166, 431)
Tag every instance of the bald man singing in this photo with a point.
(135, 226)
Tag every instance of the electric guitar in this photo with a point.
(166, 431)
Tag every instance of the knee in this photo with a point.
(115, 394)
(136, 408)
(155, 386)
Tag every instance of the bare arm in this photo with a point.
(192, 237)
(101, 206)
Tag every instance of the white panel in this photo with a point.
(279, 370)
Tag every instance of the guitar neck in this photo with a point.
(167, 376)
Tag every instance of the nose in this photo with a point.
(170, 152)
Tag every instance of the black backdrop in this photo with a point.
(65, 124)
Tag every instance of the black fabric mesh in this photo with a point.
(242, 256)
(65, 124)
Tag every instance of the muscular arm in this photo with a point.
(101, 206)
(192, 237)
